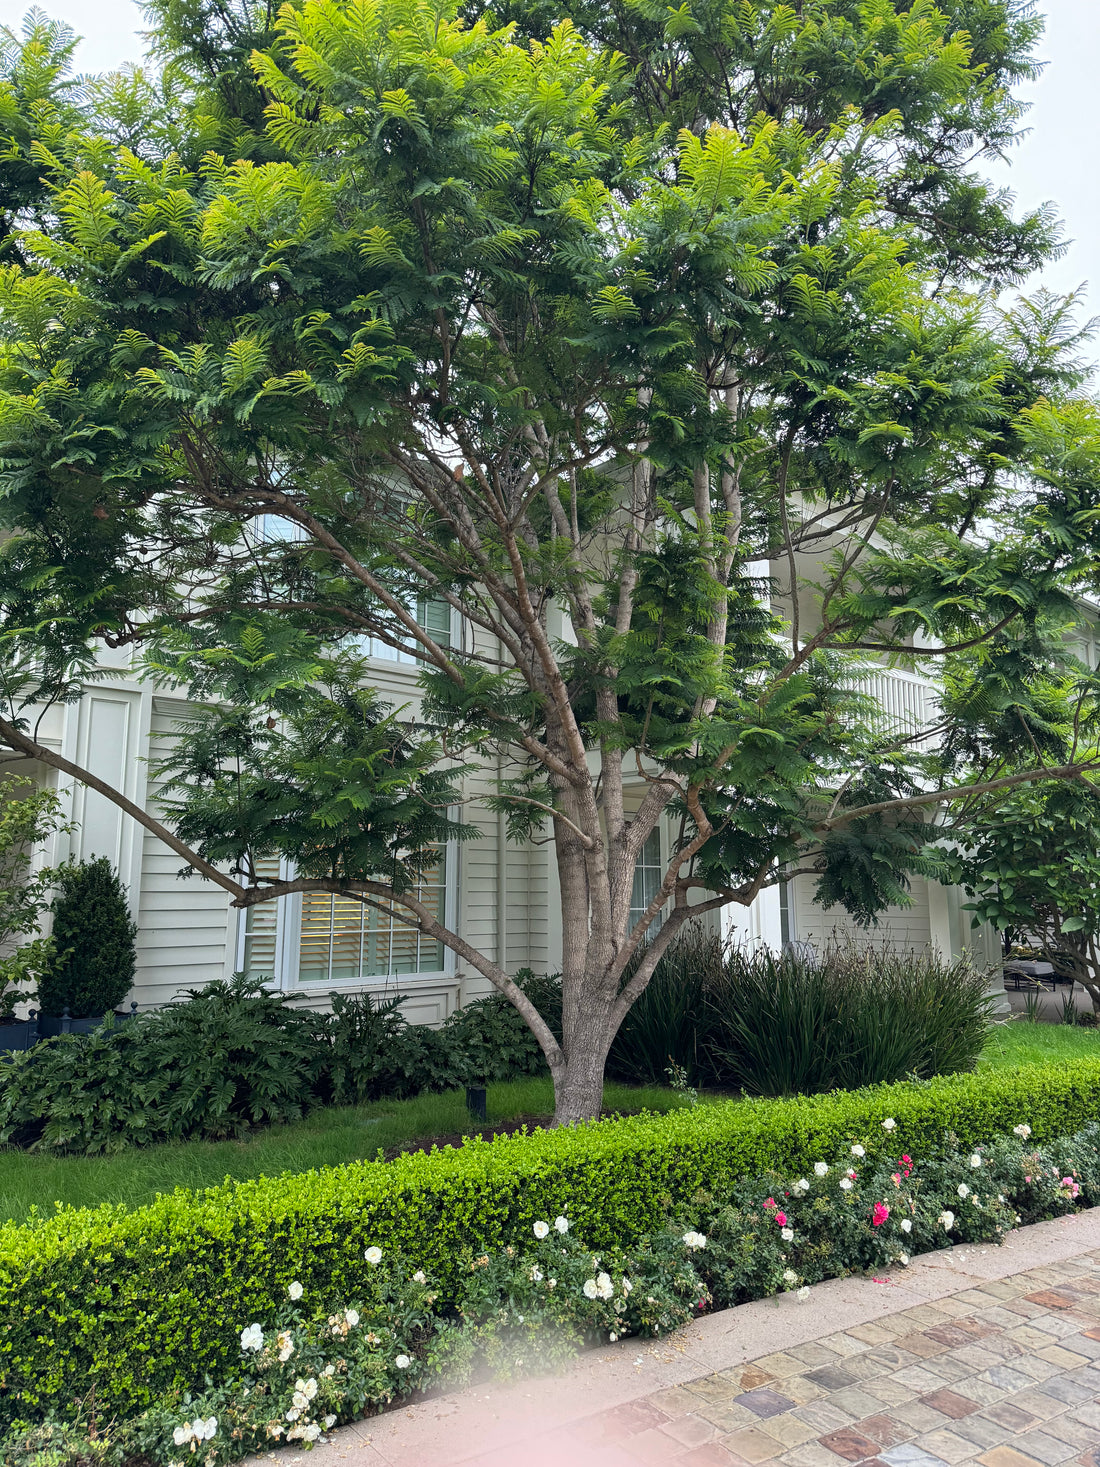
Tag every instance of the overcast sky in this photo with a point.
(1056, 161)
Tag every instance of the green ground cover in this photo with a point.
(327, 1137)
(339, 1134)
(1019, 1043)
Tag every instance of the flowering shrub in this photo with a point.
(147, 1302)
(317, 1359)
(303, 1371)
(541, 1301)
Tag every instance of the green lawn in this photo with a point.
(326, 1138)
(350, 1133)
(1020, 1043)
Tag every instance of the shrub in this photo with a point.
(28, 816)
(143, 1302)
(315, 1356)
(668, 1026)
(235, 1055)
(92, 969)
(798, 1024)
(232, 1057)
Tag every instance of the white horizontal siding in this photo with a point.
(186, 928)
(896, 927)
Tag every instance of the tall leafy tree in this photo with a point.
(659, 348)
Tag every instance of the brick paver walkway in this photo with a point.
(1006, 1375)
(977, 1355)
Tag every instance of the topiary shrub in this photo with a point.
(92, 969)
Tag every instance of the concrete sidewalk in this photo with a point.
(971, 1355)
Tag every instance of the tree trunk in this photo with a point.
(578, 1084)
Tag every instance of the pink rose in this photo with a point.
(879, 1214)
(781, 1219)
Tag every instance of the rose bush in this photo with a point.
(319, 1360)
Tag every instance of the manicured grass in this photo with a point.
(1021, 1043)
(327, 1138)
(350, 1133)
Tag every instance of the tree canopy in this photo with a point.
(667, 349)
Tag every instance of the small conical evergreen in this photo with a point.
(93, 939)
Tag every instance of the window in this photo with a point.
(433, 615)
(648, 875)
(317, 938)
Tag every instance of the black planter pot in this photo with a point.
(51, 1024)
(16, 1034)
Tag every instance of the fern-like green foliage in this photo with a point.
(656, 345)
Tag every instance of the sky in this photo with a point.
(1056, 161)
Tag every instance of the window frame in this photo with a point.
(288, 934)
(634, 914)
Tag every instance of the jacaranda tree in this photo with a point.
(665, 347)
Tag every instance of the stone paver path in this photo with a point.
(1006, 1375)
(977, 1355)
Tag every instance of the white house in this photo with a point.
(500, 896)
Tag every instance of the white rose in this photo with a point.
(295, 1290)
(373, 1255)
(311, 1432)
(590, 1290)
(627, 1286)
(963, 1190)
(906, 1225)
(182, 1434)
(975, 1160)
(858, 1151)
(787, 1234)
(536, 1275)
(789, 1276)
(1024, 1131)
(820, 1169)
(845, 1184)
(947, 1218)
(541, 1229)
(299, 1402)
(695, 1240)
(562, 1224)
(903, 1259)
(420, 1276)
(329, 1421)
(604, 1285)
(352, 1317)
(889, 1123)
(802, 1184)
(402, 1362)
(252, 1338)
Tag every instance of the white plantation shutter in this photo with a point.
(261, 928)
(340, 940)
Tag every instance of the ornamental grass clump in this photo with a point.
(799, 1023)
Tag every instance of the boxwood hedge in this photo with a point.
(137, 1302)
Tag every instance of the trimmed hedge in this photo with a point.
(138, 1302)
